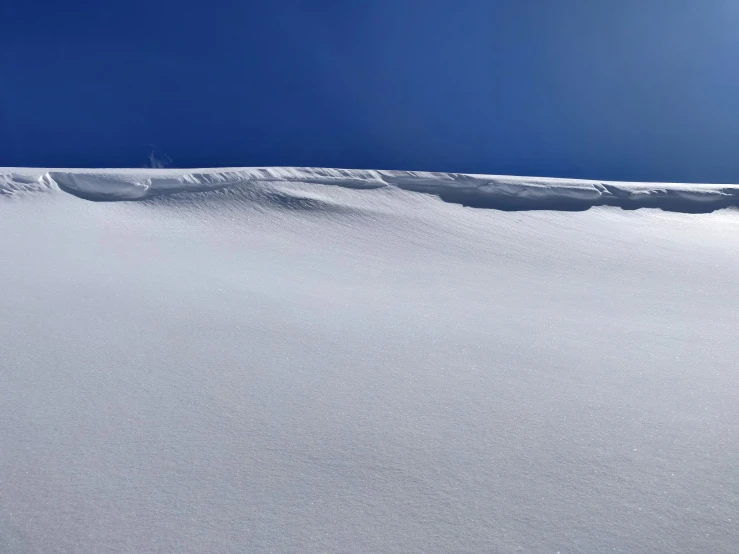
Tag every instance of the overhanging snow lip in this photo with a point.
(496, 192)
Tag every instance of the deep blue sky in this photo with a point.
(609, 89)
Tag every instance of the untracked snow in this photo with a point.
(482, 191)
(318, 360)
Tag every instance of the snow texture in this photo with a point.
(250, 360)
(480, 191)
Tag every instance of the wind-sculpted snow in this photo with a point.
(316, 360)
(479, 191)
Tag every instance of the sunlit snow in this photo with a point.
(315, 360)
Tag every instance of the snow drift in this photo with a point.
(319, 360)
(481, 191)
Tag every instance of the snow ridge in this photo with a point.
(480, 191)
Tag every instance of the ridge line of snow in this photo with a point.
(482, 191)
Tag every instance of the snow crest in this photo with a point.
(480, 191)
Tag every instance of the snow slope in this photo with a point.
(249, 360)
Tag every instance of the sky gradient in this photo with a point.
(622, 90)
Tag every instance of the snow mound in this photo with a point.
(253, 360)
(479, 191)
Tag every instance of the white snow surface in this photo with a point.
(254, 360)
(485, 191)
